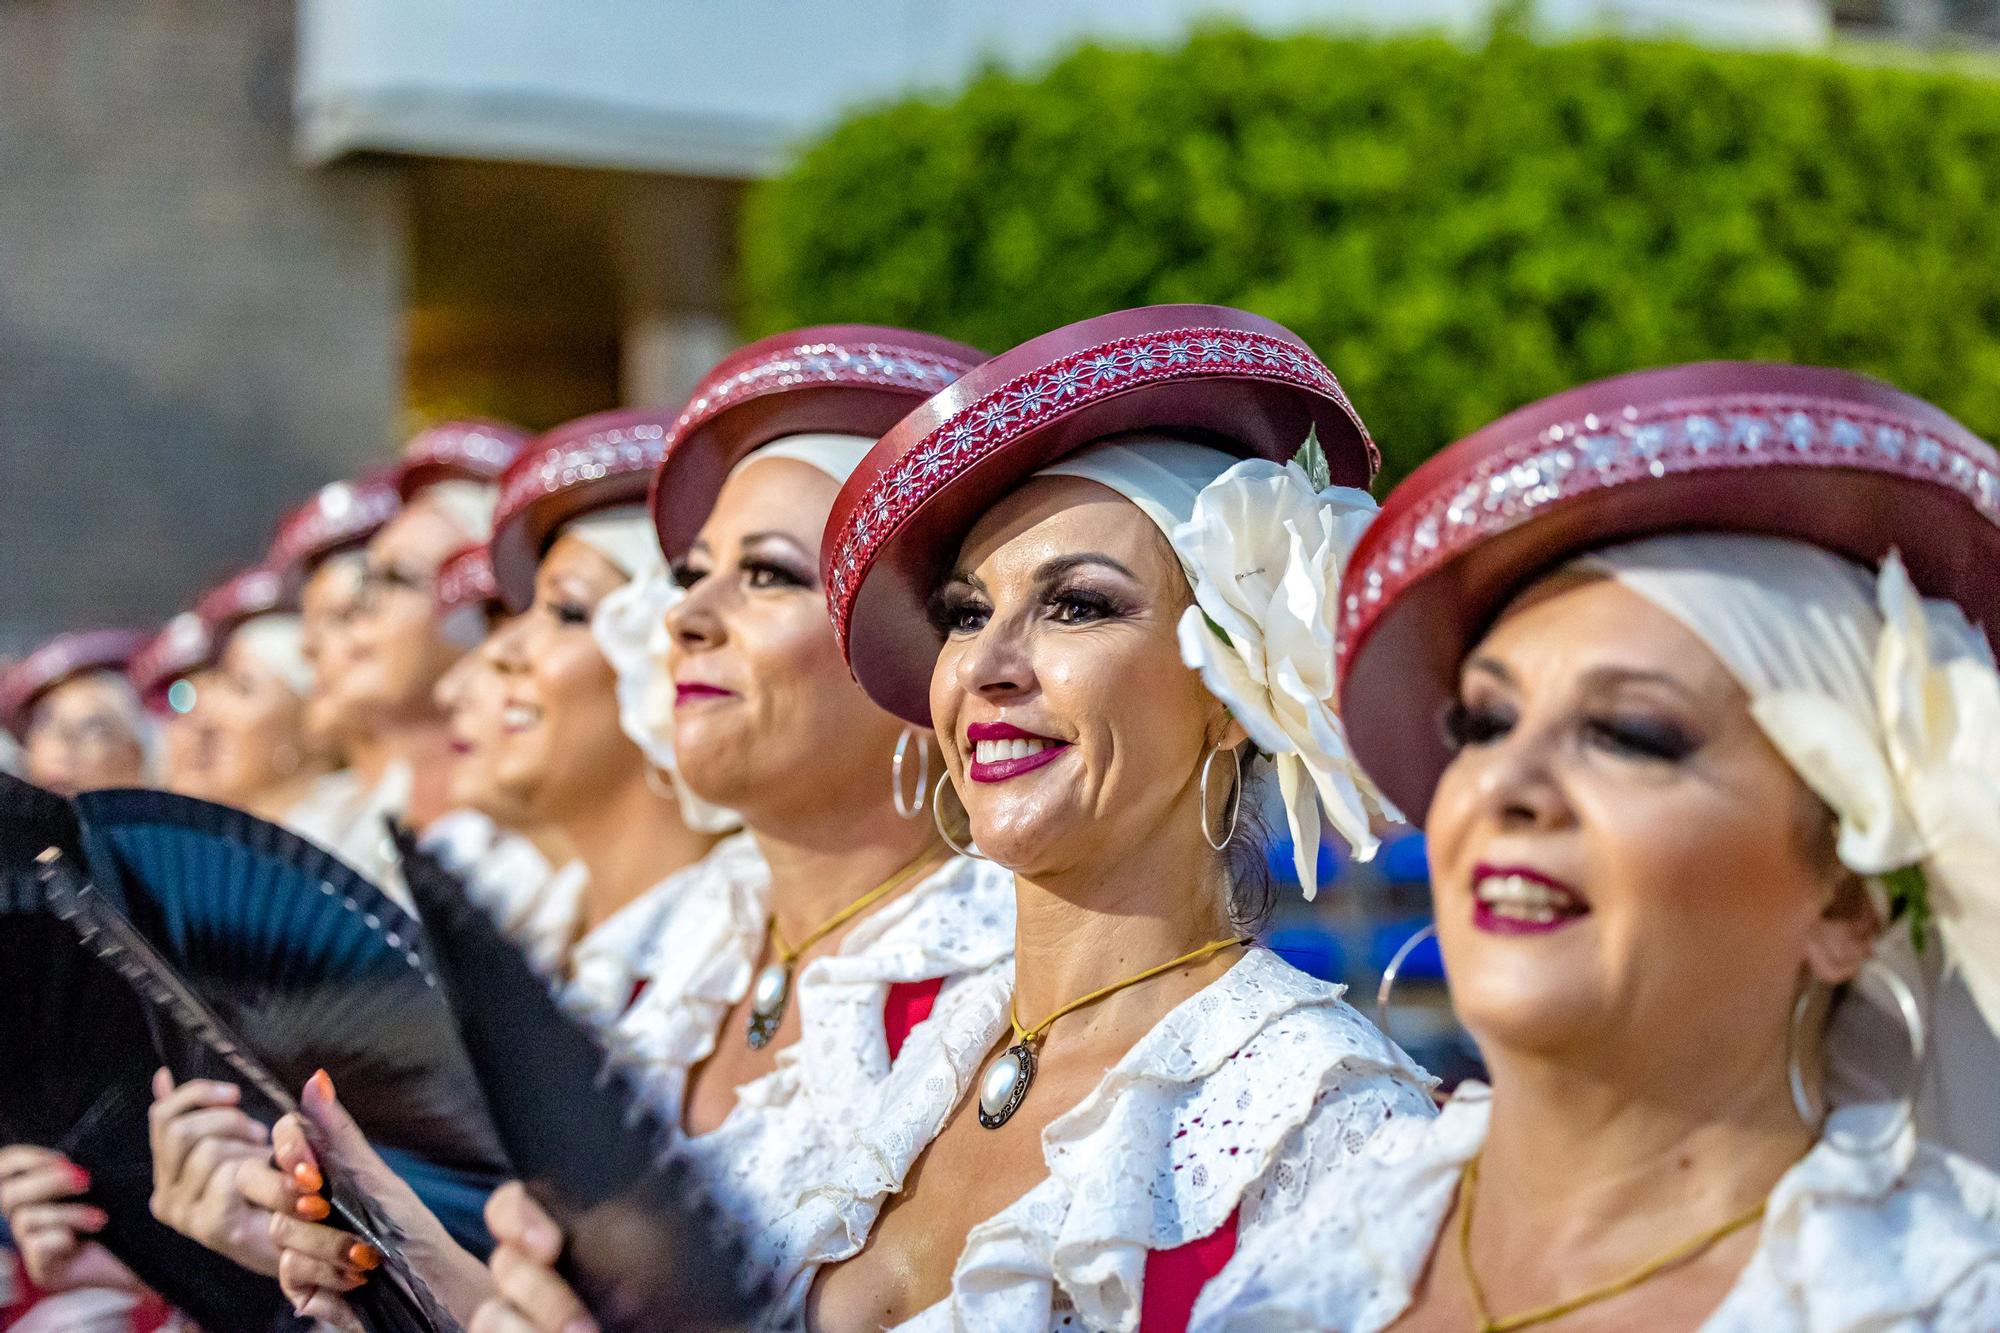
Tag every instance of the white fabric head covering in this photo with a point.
(1885, 703)
(277, 642)
(1263, 547)
(835, 455)
(468, 504)
(622, 534)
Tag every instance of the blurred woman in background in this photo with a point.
(80, 722)
(162, 673)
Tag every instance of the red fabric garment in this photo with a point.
(1174, 1278)
(150, 1315)
(909, 1004)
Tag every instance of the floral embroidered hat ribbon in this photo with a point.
(1228, 433)
(1830, 538)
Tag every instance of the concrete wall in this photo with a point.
(194, 329)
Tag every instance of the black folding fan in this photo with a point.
(76, 1055)
(644, 1245)
(269, 958)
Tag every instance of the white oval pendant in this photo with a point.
(1004, 1084)
(767, 996)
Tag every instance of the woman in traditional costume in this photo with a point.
(161, 673)
(79, 719)
(1031, 563)
(1718, 720)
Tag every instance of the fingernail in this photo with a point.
(81, 1176)
(579, 1325)
(364, 1256)
(312, 1208)
(307, 1177)
(321, 1084)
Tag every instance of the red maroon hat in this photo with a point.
(61, 659)
(182, 647)
(252, 593)
(591, 463)
(466, 579)
(845, 379)
(459, 451)
(339, 515)
(1835, 459)
(1218, 376)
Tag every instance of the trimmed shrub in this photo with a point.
(1456, 230)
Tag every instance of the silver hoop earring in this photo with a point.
(1912, 1017)
(914, 806)
(1235, 804)
(1386, 987)
(971, 854)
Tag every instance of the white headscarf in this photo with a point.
(1884, 702)
(277, 641)
(468, 504)
(1263, 547)
(622, 534)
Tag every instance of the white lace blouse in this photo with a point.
(689, 948)
(1243, 1092)
(1899, 1241)
(537, 905)
(349, 820)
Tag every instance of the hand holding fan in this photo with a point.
(643, 1250)
(76, 1054)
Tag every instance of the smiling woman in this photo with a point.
(1706, 741)
(1032, 563)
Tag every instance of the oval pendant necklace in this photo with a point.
(771, 992)
(1004, 1084)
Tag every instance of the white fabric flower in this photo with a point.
(1267, 552)
(630, 627)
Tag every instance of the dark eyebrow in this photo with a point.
(1597, 678)
(1492, 667)
(965, 576)
(1054, 569)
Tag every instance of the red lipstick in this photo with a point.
(693, 691)
(1549, 906)
(1015, 764)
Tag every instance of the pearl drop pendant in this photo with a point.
(768, 996)
(1004, 1085)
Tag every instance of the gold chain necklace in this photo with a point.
(1004, 1085)
(1468, 1184)
(772, 990)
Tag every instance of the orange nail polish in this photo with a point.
(312, 1208)
(322, 1084)
(306, 1176)
(364, 1256)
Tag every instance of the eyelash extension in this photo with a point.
(1647, 740)
(687, 575)
(1099, 605)
(948, 608)
(1464, 725)
(569, 613)
(778, 573)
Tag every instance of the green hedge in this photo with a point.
(1456, 229)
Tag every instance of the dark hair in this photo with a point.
(1253, 895)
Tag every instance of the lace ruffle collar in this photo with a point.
(1848, 1242)
(1160, 1153)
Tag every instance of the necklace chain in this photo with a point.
(1468, 1185)
(1029, 1036)
(789, 954)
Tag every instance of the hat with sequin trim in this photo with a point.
(182, 647)
(465, 579)
(829, 379)
(340, 515)
(458, 451)
(62, 659)
(1206, 375)
(593, 463)
(252, 593)
(1825, 457)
